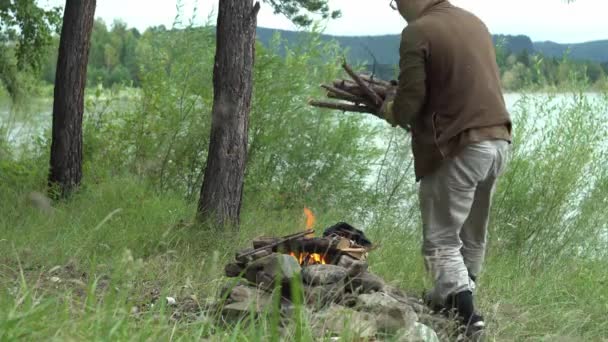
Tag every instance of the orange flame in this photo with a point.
(310, 218)
(309, 258)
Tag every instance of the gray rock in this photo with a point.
(224, 292)
(349, 300)
(321, 296)
(375, 301)
(418, 333)
(269, 270)
(233, 270)
(242, 293)
(354, 266)
(443, 326)
(339, 321)
(391, 315)
(246, 301)
(402, 297)
(252, 257)
(323, 274)
(366, 283)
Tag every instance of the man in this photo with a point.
(449, 96)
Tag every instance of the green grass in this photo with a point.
(126, 246)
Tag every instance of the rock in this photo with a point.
(357, 268)
(226, 290)
(373, 302)
(418, 333)
(349, 300)
(391, 315)
(233, 270)
(402, 297)
(442, 325)
(338, 320)
(345, 261)
(252, 302)
(242, 293)
(323, 274)
(171, 301)
(418, 308)
(55, 269)
(252, 257)
(366, 283)
(265, 272)
(321, 296)
(354, 266)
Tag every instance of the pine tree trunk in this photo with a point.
(222, 190)
(68, 106)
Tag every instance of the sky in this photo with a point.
(555, 20)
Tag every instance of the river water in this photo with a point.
(19, 126)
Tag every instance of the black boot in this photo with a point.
(472, 323)
(446, 306)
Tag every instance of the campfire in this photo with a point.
(338, 290)
(306, 259)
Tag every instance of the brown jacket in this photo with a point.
(449, 90)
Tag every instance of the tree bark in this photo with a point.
(222, 190)
(68, 106)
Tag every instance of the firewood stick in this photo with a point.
(368, 91)
(354, 99)
(345, 84)
(281, 241)
(374, 84)
(376, 81)
(344, 107)
(339, 91)
(354, 89)
(349, 97)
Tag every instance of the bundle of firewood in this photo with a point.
(362, 93)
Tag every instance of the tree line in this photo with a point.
(525, 70)
(117, 51)
(222, 188)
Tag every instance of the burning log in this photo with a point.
(275, 243)
(362, 94)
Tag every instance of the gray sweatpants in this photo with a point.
(455, 204)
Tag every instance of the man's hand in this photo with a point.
(386, 112)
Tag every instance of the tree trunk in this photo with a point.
(222, 190)
(68, 106)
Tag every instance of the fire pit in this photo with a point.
(330, 275)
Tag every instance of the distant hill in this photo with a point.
(514, 44)
(596, 51)
(384, 49)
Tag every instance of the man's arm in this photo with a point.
(411, 91)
